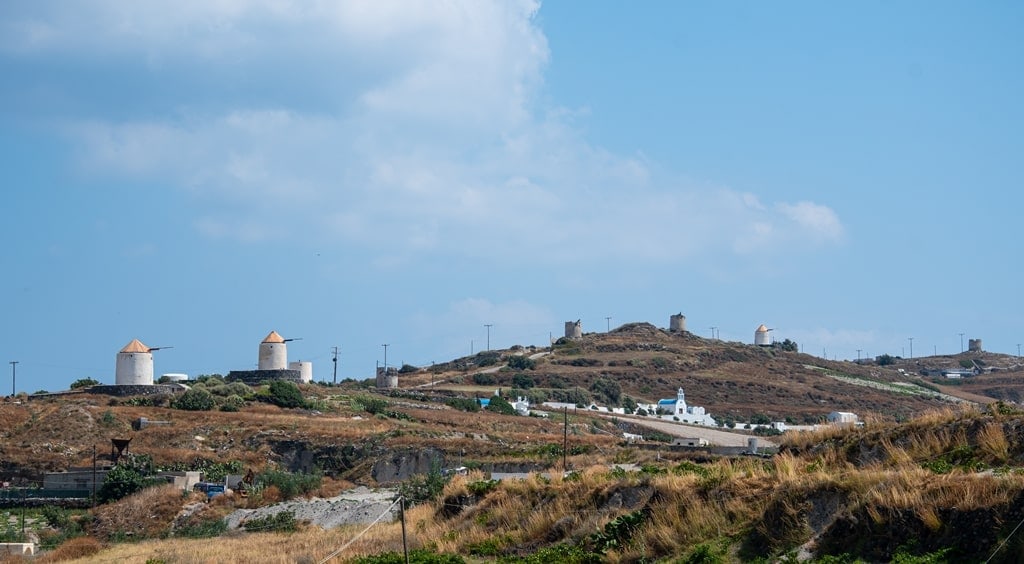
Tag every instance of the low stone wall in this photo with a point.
(255, 377)
(134, 390)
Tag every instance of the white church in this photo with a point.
(676, 409)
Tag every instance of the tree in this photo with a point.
(407, 369)
(789, 346)
(885, 360)
(84, 383)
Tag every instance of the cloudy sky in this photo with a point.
(196, 174)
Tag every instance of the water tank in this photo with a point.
(677, 323)
(974, 345)
(174, 378)
(573, 329)
(305, 369)
(273, 353)
(762, 336)
(134, 365)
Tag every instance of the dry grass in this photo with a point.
(76, 548)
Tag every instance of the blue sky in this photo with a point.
(196, 174)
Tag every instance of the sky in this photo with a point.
(197, 173)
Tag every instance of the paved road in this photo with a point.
(713, 436)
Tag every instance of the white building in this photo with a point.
(676, 409)
(134, 365)
(273, 352)
(763, 336)
(842, 418)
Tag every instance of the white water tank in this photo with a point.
(762, 336)
(134, 365)
(273, 353)
(305, 369)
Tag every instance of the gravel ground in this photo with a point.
(358, 506)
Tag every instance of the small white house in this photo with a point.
(842, 418)
(690, 442)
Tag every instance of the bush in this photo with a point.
(290, 484)
(423, 488)
(416, 556)
(196, 399)
(371, 405)
(608, 390)
(232, 403)
(120, 481)
(885, 360)
(408, 369)
(202, 529)
(498, 404)
(285, 394)
(520, 362)
(522, 381)
(488, 358)
(483, 379)
(464, 404)
(84, 383)
(283, 522)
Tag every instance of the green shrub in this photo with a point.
(416, 556)
(520, 362)
(283, 522)
(288, 483)
(285, 394)
(84, 383)
(483, 379)
(498, 404)
(522, 381)
(370, 404)
(422, 488)
(464, 404)
(408, 369)
(203, 529)
(195, 399)
(232, 403)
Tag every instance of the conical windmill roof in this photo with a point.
(135, 346)
(762, 329)
(273, 337)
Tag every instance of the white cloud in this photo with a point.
(425, 136)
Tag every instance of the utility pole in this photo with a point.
(713, 331)
(911, 339)
(858, 355)
(1018, 350)
(335, 365)
(608, 324)
(385, 358)
(14, 376)
(94, 475)
(961, 342)
(488, 326)
(471, 347)
(405, 543)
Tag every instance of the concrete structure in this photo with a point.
(305, 369)
(573, 329)
(257, 377)
(763, 336)
(388, 379)
(134, 365)
(182, 480)
(690, 442)
(18, 548)
(273, 353)
(80, 478)
(677, 323)
(974, 345)
(752, 445)
(522, 406)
